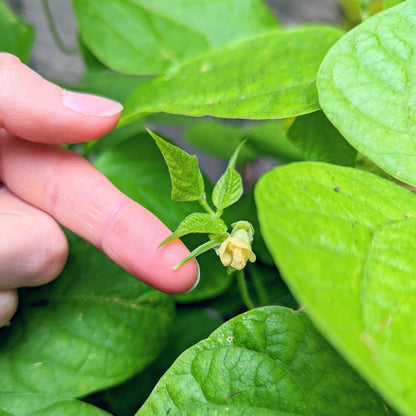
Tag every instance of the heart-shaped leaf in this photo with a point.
(343, 240)
(269, 361)
(367, 88)
(269, 76)
(94, 327)
(142, 37)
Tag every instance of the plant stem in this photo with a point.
(54, 31)
(243, 290)
(204, 204)
(258, 285)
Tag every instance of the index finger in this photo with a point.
(37, 110)
(79, 197)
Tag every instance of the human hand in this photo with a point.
(42, 184)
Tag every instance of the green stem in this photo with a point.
(243, 290)
(54, 31)
(258, 285)
(204, 204)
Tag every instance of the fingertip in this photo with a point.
(180, 280)
(8, 305)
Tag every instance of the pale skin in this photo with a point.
(43, 185)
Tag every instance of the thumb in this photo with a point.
(38, 110)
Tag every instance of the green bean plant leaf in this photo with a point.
(16, 36)
(36, 404)
(152, 34)
(319, 141)
(229, 188)
(367, 88)
(257, 78)
(263, 138)
(135, 166)
(348, 233)
(93, 327)
(267, 361)
(187, 181)
(197, 222)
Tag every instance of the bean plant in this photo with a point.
(307, 298)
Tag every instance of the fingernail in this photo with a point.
(198, 276)
(91, 105)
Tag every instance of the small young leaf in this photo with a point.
(198, 222)
(186, 178)
(229, 187)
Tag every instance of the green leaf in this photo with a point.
(34, 404)
(197, 222)
(16, 36)
(320, 141)
(145, 38)
(94, 327)
(269, 361)
(343, 240)
(187, 181)
(367, 86)
(229, 188)
(110, 84)
(123, 400)
(269, 76)
(135, 167)
(218, 138)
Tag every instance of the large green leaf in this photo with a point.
(137, 168)
(92, 328)
(35, 404)
(16, 36)
(367, 88)
(142, 37)
(269, 76)
(269, 361)
(343, 240)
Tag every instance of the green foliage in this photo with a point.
(367, 89)
(35, 404)
(152, 34)
(92, 328)
(267, 361)
(348, 233)
(258, 78)
(16, 36)
(187, 181)
(220, 139)
(198, 222)
(341, 238)
(320, 141)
